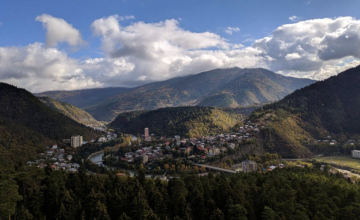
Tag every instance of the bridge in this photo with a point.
(215, 168)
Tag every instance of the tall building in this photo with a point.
(76, 141)
(146, 132)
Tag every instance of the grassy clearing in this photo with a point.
(341, 160)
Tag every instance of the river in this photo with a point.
(97, 159)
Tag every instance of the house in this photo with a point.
(249, 166)
(177, 138)
(102, 139)
(202, 149)
(145, 159)
(231, 146)
(185, 150)
(75, 166)
(214, 150)
(272, 168)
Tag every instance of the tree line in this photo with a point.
(289, 193)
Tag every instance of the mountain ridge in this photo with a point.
(83, 97)
(186, 91)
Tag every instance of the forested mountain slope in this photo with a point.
(75, 113)
(184, 121)
(27, 125)
(21, 107)
(326, 108)
(240, 86)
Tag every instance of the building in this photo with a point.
(355, 153)
(145, 159)
(249, 166)
(185, 151)
(76, 141)
(102, 139)
(177, 138)
(146, 133)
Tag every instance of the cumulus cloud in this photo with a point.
(295, 18)
(230, 30)
(58, 31)
(140, 52)
(174, 52)
(306, 48)
(38, 68)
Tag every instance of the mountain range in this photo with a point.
(231, 87)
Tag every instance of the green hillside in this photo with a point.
(183, 121)
(329, 106)
(326, 108)
(70, 111)
(220, 87)
(27, 126)
(19, 144)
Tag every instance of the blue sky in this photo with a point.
(245, 20)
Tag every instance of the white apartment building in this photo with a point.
(76, 141)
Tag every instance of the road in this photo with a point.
(215, 168)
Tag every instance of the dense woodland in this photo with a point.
(329, 106)
(69, 110)
(27, 126)
(21, 107)
(290, 193)
(183, 121)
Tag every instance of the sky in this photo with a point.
(77, 44)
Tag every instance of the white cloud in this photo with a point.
(230, 30)
(309, 47)
(247, 40)
(38, 68)
(137, 53)
(58, 31)
(295, 18)
(292, 56)
(126, 17)
(1, 23)
(174, 52)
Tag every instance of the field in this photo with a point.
(341, 160)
